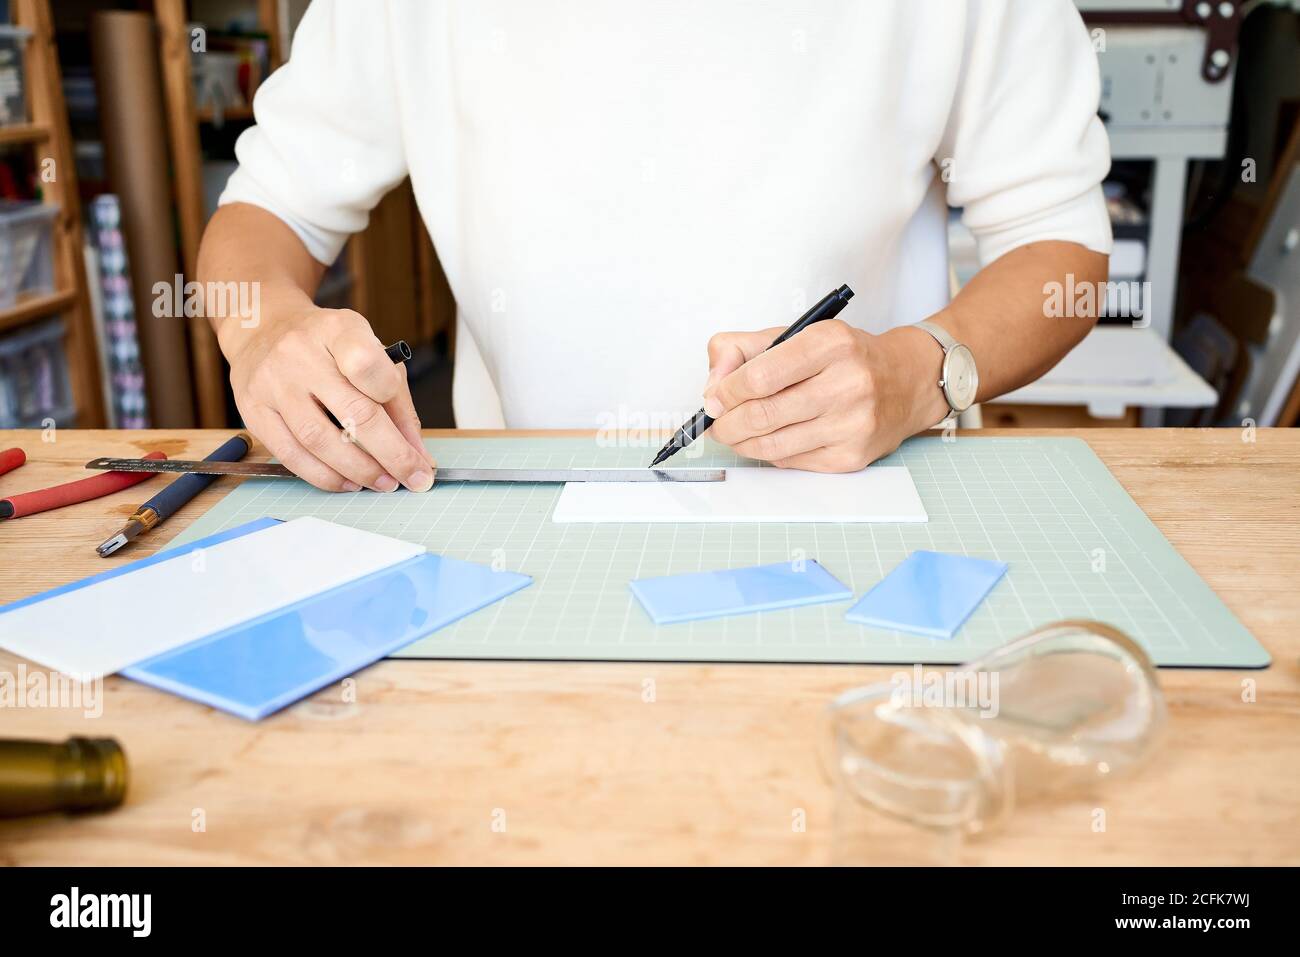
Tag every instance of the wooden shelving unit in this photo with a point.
(395, 277)
(49, 136)
(183, 119)
(29, 308)
(24, 133)
(231, 113)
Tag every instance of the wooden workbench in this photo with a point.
(433, 757)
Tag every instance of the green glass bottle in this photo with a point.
(80, 774)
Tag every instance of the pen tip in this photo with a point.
(112, 545)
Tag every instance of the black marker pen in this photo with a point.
(830, 307)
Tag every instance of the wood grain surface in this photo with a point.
(461, 762)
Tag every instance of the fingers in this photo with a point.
(827, 459)
(402, 411)
(816, 460)
(799, 403)
(794, 360)
(323, 361)
(332, 445)
(368, 423)
(838, 455)
(789, 442)
(270, 428)
(361, 358)
(728, 351)
(370, 372)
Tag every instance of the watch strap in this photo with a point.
(940, 335)
(947, 343)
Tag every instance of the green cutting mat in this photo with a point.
(1077, 546)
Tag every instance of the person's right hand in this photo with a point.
(303, 359)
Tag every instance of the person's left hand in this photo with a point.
(831, 399)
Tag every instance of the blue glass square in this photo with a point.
(929, 593)
(736, 591)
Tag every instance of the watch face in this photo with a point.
(961, 381)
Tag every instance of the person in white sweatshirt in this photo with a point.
(630, 200)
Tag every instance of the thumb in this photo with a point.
(728, 351)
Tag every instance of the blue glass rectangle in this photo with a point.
(735, 591)
(929, 593)
(261, 666)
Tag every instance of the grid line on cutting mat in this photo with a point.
(1076, 544)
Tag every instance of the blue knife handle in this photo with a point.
(166, 502)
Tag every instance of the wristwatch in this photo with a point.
(959, 379)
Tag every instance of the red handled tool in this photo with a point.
(70, 493)
(10, 459)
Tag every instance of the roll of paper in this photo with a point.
(125, 51)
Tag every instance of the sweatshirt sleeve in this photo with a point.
(327, 144)
(1024, 152)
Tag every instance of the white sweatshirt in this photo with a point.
(610, 183)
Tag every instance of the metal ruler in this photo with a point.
(272, 470)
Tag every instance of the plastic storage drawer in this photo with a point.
(26, 249)
(13, 91)
(34, 385)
